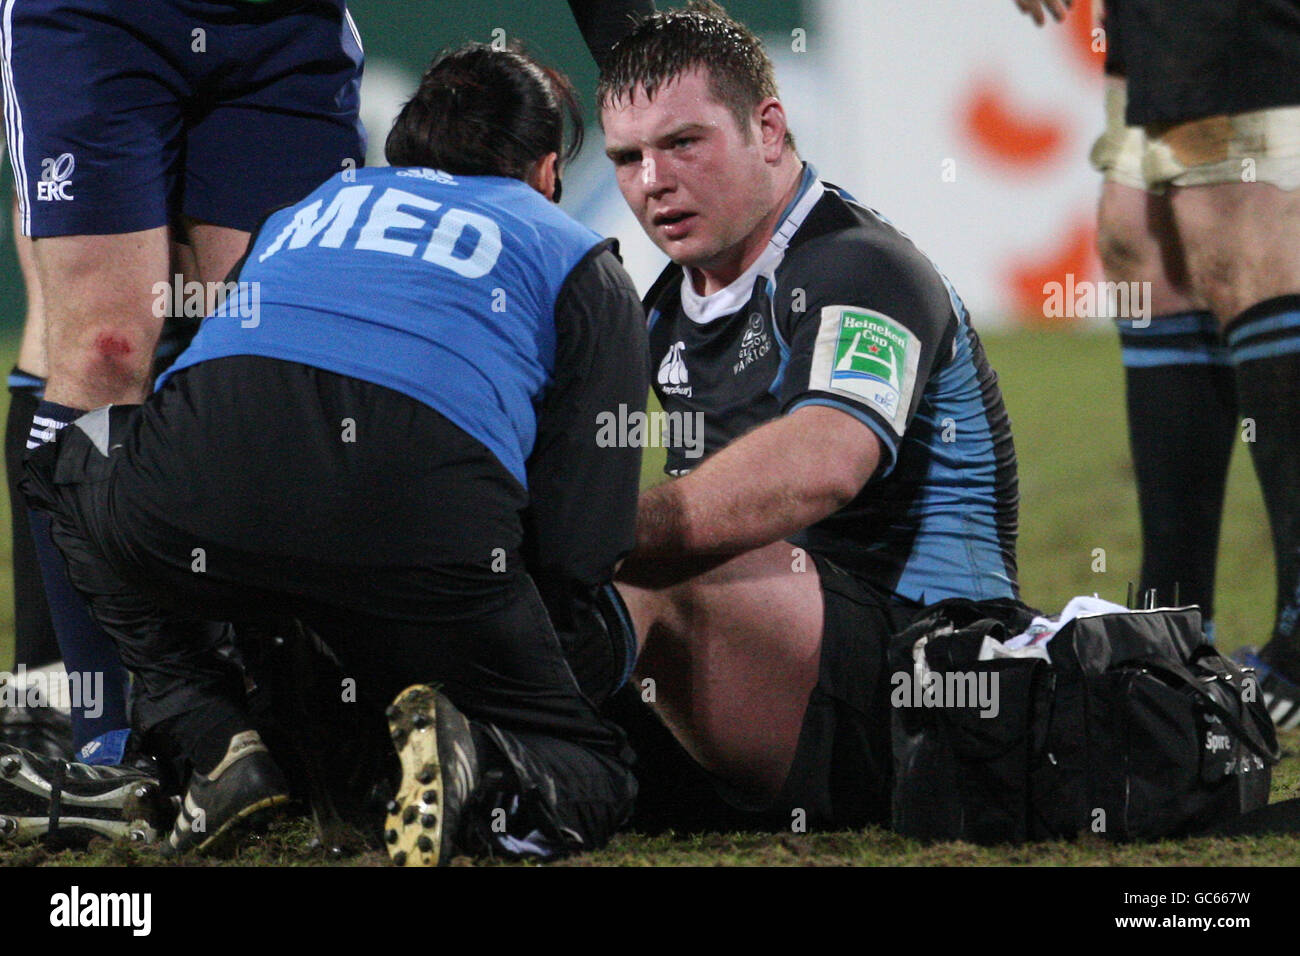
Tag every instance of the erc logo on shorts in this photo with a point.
(56, 178)
(869, 357)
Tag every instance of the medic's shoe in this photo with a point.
(241, 792)
(440, 773)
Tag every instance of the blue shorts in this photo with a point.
(123, 115)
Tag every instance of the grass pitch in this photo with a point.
(1065, 395)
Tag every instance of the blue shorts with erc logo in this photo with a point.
(122, 115)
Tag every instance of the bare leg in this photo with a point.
(733, 653)
(216, 250)
(100, 307)
(31, 353)
(1242, 242)
(1137, 242)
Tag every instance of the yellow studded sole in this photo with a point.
(413, 829)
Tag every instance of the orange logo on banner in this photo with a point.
(1074, 255)
(1015, 142)
(1003, 134)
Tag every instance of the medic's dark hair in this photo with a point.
(482, 111)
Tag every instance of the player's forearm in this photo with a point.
(691, 517)
(773, 482)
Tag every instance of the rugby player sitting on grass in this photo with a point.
(858, 458)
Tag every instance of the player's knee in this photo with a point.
(109, 359)
(1124, 256)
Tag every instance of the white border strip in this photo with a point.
(356, 34)
(14, 118)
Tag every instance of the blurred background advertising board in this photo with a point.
(961, 122)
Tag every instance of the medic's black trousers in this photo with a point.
(257, 490)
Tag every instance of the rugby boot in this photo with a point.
(1281, 695)
(70, 803)
(243, 791)
(440, 774)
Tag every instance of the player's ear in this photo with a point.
(772, 127)
(545, 176)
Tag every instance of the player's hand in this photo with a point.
(1034, 8)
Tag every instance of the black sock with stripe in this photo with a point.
(1182, 419)
(1265, 345)
(85, 646)
(34, 641)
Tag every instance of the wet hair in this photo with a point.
(699, 36)
(482, 111)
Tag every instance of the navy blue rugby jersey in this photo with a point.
(843, 310)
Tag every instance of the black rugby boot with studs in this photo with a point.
(440, 773)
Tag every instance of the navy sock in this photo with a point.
(86, 648)
(1182, 419)
(1265, 344)
(34, 642)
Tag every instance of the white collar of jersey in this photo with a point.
(703, 309)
